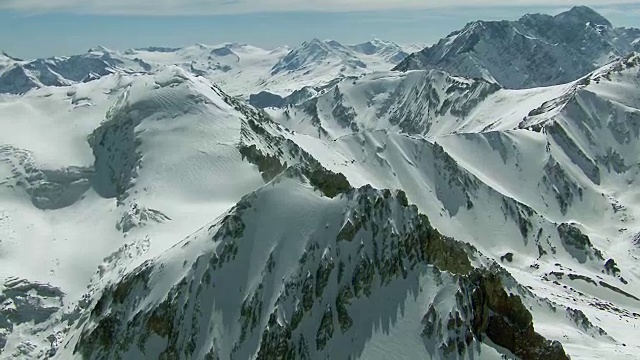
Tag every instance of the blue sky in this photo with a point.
(40, 32)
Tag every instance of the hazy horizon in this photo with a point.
(55, 32)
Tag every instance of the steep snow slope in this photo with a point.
(318, 277)
(416, 102)
(471, 209)
(434, 103)
(537, 50)
(167, 122)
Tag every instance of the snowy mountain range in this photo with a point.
(18, 76)
(537, 50)
(146, 211)
(239, 68)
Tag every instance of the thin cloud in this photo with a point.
(218, 7)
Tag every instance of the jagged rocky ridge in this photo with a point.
(25, 302)
(307, 295)
(536, 50)
(416, 103)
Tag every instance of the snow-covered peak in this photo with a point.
(583, 15)
(99, 50)
(388, 50)
(318, 63)
(159, 49)
(577, 15)
(227, 45)
(65, 70)
(240, 69)
(7, 60)
(419, 102)
(380, 42)
(282, 49)
(316, 52)
(6, 57)
(537, 50)
(373, 46)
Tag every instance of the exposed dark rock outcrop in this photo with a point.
(24, 302)
(49, 189)
(265, 99)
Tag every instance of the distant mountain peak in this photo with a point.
(583, 14)
(4, 54)
(233, 45)
(162, 49)
(314, 41)
(375, 41)
(536, 50)
(388, 50)
(99, 49)
(223, 51)
(280, 49)
(333, 43)
(327, 44)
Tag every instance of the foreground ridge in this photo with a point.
(317, 303)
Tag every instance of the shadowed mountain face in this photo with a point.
(536, 50)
